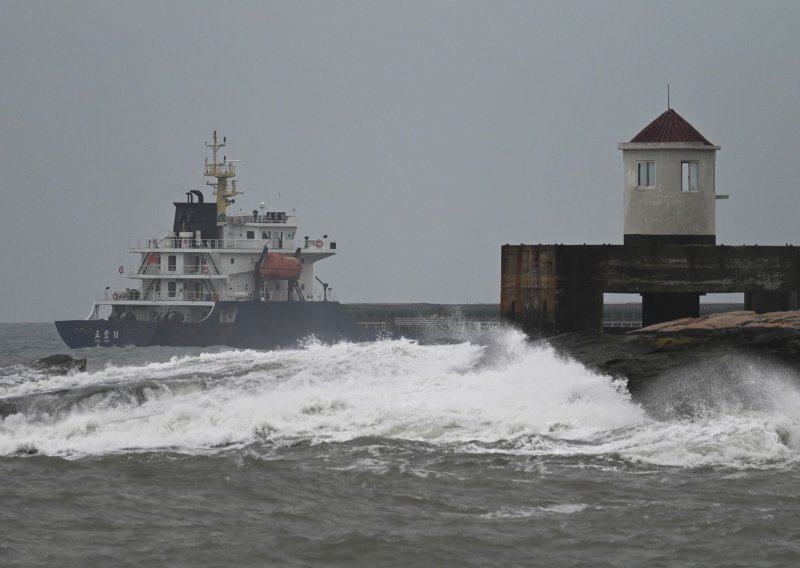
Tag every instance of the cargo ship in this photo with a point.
(243, 280)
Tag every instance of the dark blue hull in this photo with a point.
(103, 333)
(255, 325)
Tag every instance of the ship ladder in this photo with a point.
(143, 266)
(147, 291)
(210, 261)
(208, 288)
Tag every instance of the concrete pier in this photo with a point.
(550, 289)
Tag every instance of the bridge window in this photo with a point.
(171, 263)
(251, 234)
(689, 176)
(646, 174)
(171, 289)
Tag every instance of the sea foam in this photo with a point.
(509, 396)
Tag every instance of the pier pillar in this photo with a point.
(763, 301)
(579, 309)
(658, 307)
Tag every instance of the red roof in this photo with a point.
(670, 127)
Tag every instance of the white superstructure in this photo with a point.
(210, 256)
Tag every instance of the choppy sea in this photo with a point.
(481, 453)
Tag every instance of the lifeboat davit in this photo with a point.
(277, 266)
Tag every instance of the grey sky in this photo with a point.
(420, 135)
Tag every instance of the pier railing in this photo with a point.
(623, 324)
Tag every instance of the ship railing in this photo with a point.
(224, 169)
(268, 218)
(319, 245)
(160, 296)
(319, 296)
(172, 243)
(158, 268)
(135, 295)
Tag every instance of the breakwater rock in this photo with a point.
(682, 347)
(59, 364)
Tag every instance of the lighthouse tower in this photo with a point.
(669, 184)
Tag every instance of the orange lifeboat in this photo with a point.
(277, 266)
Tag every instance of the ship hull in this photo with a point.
(251, 325)
(103, 333)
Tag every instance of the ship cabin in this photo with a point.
(210, 256)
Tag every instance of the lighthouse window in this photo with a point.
(689, 176)
(647, 174)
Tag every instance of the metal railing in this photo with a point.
(423, 321)
(628, 324)
(162, 296)
(174, 243)
(160, 269)
(222, 169)
(268, 218)
(131, 295)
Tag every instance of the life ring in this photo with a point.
(120, 269)
(319, 243)
(115, 296)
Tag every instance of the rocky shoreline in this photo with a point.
(674, 348)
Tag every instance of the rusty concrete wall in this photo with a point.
(542, 285)
(528, 289)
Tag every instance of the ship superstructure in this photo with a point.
(203, 281)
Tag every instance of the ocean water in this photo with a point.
(482, 453)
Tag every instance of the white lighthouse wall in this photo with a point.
(665, 209)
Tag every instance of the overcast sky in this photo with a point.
(421, 136)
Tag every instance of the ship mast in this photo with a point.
(222, 171)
